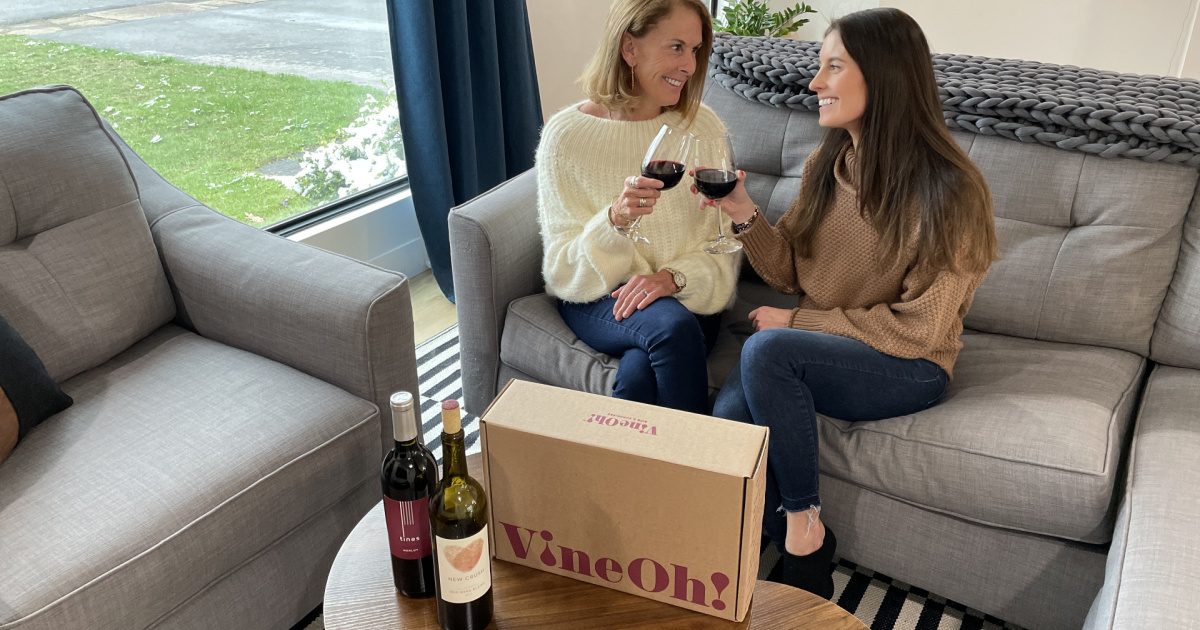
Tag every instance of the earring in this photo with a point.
(632, 79)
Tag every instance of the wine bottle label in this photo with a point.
(464, 568)
(408, 528)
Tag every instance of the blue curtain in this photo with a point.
(469, 105)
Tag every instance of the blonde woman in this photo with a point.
(655, 304)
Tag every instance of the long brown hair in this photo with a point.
(608, 80)
(911, 173)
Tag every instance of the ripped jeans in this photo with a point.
(787, 376)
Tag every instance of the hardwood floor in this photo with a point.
(432, 312)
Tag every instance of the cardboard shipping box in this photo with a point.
(650, 501)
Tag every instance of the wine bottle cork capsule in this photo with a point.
(451, 420)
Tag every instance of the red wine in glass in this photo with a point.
(715, 177)
(668, 172)
(715, 183)
(666, 161)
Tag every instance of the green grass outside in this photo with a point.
(202, 127)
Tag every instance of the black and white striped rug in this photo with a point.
(877, 600)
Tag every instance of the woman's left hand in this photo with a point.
(640, 292)
(766, 317)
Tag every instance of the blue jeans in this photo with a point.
(662, 349)
(786, 377)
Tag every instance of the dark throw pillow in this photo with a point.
(27, 393)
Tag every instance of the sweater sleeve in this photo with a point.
(931, 305)
(584, 259)
(771, 255)
(769, 250)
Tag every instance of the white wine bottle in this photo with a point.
(409, 476)
(458, 518)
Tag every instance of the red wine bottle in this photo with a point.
(459, 517)
(409, 476)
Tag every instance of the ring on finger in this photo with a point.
(641, 202)
(646, 293)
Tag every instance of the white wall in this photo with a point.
(1150, 37)
(1153, 37)
(565, 34)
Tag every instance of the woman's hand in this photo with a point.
(640, 292)
(767, 317)
(737, 204)
(636, 200)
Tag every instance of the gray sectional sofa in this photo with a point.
(1058, 484)
(226, 434)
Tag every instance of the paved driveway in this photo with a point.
(337, 40)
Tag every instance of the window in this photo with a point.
(261, 109)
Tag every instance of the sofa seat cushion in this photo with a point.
(181, 458)
(537, 342)
(1028, 437)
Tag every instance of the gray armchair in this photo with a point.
(226, 433)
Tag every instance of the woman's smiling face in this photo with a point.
(840, 86)
(665, 58)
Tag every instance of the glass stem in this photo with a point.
(720, 231)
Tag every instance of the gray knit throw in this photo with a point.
(1150, 118)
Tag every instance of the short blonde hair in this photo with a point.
(608, 80)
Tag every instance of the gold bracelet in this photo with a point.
(613, 207)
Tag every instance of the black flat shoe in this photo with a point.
(812, 573)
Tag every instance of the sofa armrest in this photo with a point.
(496, 253)
(1154, 562)
(340, 320)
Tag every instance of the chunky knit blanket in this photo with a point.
(1150, 118)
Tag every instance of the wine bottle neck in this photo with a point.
(454, 455)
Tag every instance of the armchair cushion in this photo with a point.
(80, 279)
(344, 322)
(27, 394)
(181, 459)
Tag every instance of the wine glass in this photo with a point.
(715, 177)
(666, 161)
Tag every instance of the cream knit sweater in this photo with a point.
(582, 162)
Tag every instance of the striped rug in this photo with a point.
(880, 602)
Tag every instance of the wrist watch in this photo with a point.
(678, 278)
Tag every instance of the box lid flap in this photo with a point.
(677, 437)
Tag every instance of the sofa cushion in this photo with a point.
(80, 278)
(1177, 331)
(27, 394)
(538, 343)
(1028, 437)
(180, 459)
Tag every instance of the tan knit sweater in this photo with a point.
(845, 290)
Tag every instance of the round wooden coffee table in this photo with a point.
(360, 596)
